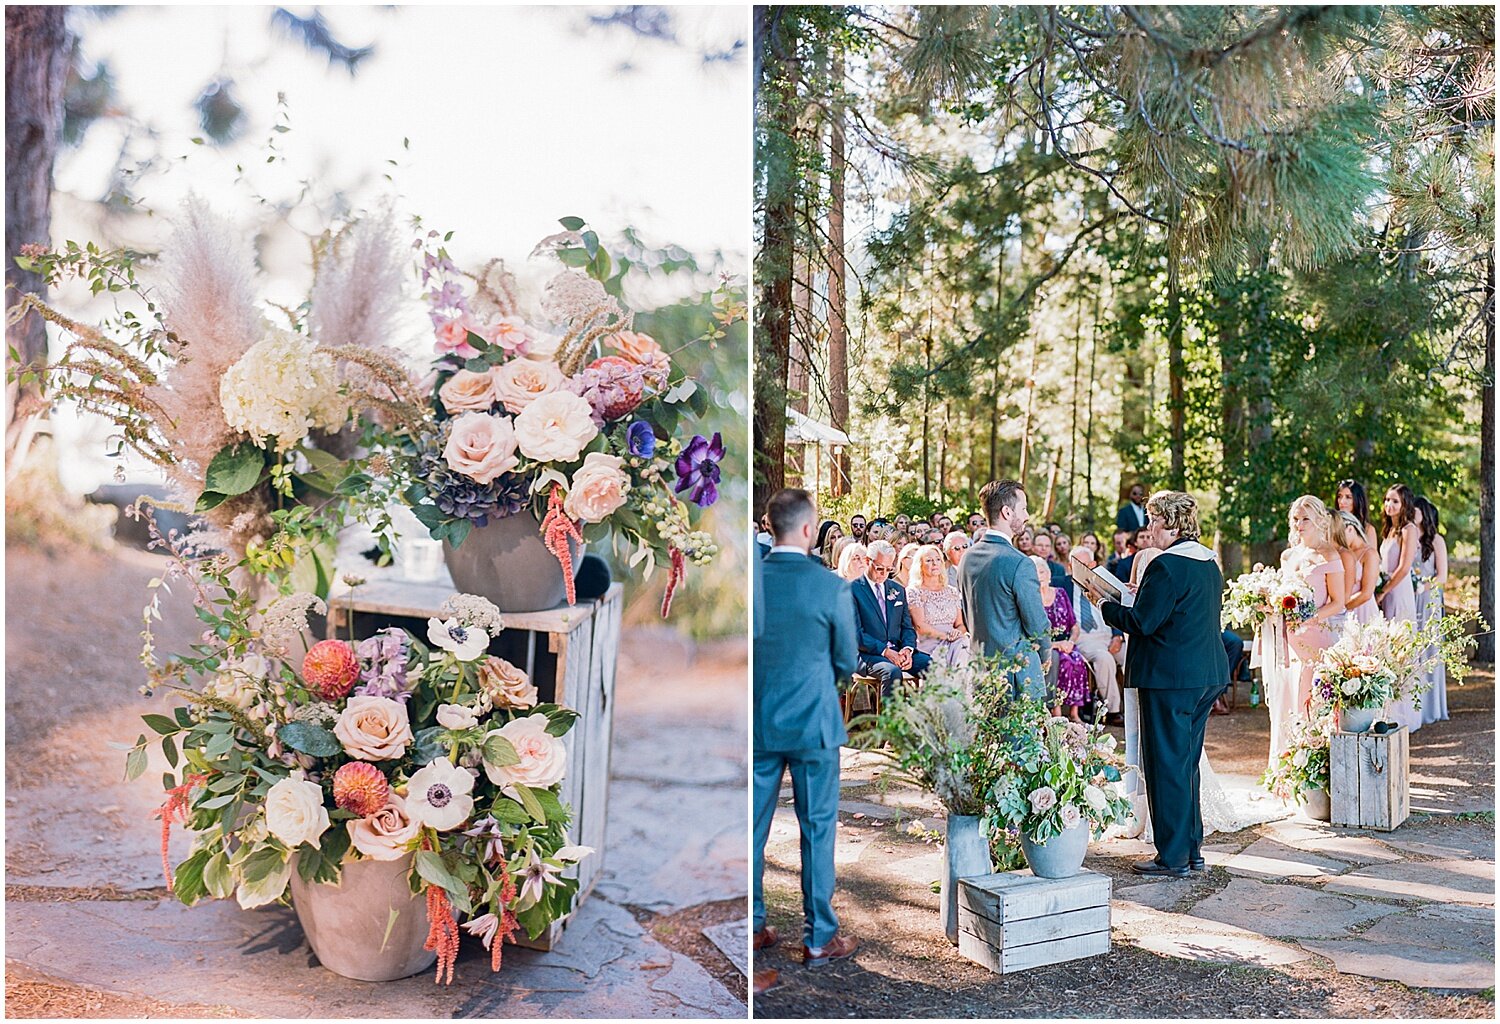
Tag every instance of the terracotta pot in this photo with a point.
(1059, 857)
(966, 855)
(346, 922)
(507, 563)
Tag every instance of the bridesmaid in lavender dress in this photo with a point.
(1361, 566)
(1314, 556)
(1398, 598)
(1432, 570)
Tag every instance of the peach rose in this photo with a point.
(481, 447)
(555, 427)
(598, 488)
(467, 391)
(506, 685)
(374, 728)
(640, 348)
(544, 759)
(521, 381)
(511, 333)
(453, 336)
(385, 834)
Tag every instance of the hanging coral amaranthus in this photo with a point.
(442, 933)
(557, 530)
(174, 808)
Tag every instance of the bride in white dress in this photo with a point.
(1223, 810)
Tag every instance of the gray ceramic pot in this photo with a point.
(1318, 806)
(967, 855)
(1358, 719)
(1059, 857)
(345, 922)
(508, 563)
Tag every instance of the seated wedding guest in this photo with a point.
(933, 537)
(1133, 544)
(1041, 546)
(903, 524)
(839, 547)
(1054, 529)
(954, 546)
(805, 647)
(935, 610)
(857, 527)
(854, 561)
(1023, 540)
(1132, 514)
(1067, 675)
(977, 525)
(1120, 542)
(903, 561)
(1061, 545)
(1101, 646)
(763, 538)
(887, 638)
(828, 534)
(879, 529)
(945, 525)
(1090, 540)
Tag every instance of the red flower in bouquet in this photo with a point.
(1288, 603)
(331, 668)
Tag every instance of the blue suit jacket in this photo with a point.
(876, 634)
(806, 645)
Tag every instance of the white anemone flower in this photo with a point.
(438, 795)
(456, 716)
(466, 643)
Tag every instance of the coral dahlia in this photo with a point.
(332, 668)
(359, 787)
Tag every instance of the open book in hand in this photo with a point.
(1101, 584)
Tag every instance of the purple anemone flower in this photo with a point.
(641, 439)
(698, 470)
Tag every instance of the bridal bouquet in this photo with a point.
(1046, 774)
(560, 409)
(1258, 595)
(423, 749)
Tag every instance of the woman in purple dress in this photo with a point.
(1067, 672)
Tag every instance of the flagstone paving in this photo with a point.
(1312, 920)
(86, 910)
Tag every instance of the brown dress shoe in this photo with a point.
(766, 980)
(839, 947)
(766, 938)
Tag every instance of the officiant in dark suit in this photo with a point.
(887, 637)
(1176, 660)
(804, 644)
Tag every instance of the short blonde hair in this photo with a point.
(847, 555)
(1175, 510)
(1318, 512)
(909, 549)
(914, 574)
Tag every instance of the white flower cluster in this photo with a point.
(474, 611)
(697, 546)
(282, 388)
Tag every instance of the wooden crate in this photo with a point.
(569, 653)
(1369, 785)
(1014, 921)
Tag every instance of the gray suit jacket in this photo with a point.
(1002, 604)
(808, 643)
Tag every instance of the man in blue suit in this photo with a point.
(806, 645)
(887, 638)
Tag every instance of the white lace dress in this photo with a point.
(1223, 810)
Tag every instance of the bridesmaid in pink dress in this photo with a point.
(1361, 568)
(1398, 596)
(1314, 556)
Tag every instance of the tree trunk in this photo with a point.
(1176, 402)
(1232, 423)
(38, 51)
(838, 268)
(799, 363)
(1486, 652)
(773, 270)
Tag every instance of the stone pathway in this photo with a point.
(85, 905)
(1352, 909)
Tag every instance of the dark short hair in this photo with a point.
(1135, 535)
(857, 515)
(789, 508)
(998, 494)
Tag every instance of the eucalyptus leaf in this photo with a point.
(309, 739)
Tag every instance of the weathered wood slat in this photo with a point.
(1017, 895)
(1074, 947)
(1014, 921)
(1369, 779)
(1044, 929)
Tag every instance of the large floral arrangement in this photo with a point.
(1256, 596)
(1303, 766)
(559, 408)
(932, 736)
(1046, 774)
(1373, 664)
(289, 756)
(1353, 673)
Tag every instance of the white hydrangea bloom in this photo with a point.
(283, 388)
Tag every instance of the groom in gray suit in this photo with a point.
(805, 646)
(1002, 597)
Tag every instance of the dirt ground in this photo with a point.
(905, 968)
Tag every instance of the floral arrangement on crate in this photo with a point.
(1045, 774)
(1374, 664)
(254, 418)
(1258, 595)
(288, 757)
(562, 409)
(1303, 766)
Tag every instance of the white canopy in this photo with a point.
(802, 429)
